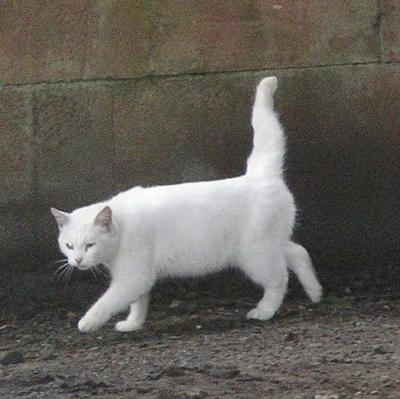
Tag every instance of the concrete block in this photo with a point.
(43, 40)
(198, 36)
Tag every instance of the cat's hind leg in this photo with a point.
(136, 317)
(299, 262)
(268, 269)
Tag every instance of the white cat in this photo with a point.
(192, 229)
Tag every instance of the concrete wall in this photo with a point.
(97, 96)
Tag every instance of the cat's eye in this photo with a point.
(90, 245)
(69, 245)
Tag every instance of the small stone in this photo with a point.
(291, 336)
(223, 373)
(173, 371)
(379, 350)
(144, 389)
(196, 394)
(175, 304)
(154, 375)
(72, 315)
(384, 378)
(14, 357)
(248, 377)
(165, 394)
(374, 392)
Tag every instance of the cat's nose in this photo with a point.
(78, 260)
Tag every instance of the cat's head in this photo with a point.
(88, 236)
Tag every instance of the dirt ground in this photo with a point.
(204, 348)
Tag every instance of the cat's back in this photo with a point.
(218, 195)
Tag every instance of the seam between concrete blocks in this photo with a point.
(238, 72)
(378, 27)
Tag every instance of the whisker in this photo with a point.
(93, 272)
(101, 273)
(62, 266)
(61, 270)
(69, 273)
(104, 272)
(64, 272)
(61, 260)
(60, 273)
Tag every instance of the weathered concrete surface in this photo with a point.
(73, 40)
(43, 40)
(74, 142)
(119, 39)
(390, 20)
(203, 36)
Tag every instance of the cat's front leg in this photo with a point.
(136, 317)
(116, 299)
(93, 319)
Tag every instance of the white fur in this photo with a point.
(193, 229)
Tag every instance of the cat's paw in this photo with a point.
(259, 314)
(89, 323)
(127, 326)
(315, 294)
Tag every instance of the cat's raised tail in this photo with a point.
(266, 158)
(265, 161)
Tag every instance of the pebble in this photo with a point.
(173, 371)
(144, 389)
(291, 336)
(196, 394)
(379, 350)
(15, 357)
(384, 378)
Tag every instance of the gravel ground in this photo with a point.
(341, 348)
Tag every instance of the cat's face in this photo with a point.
(87, 239)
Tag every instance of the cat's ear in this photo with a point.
(104, 218)
(62, 218)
